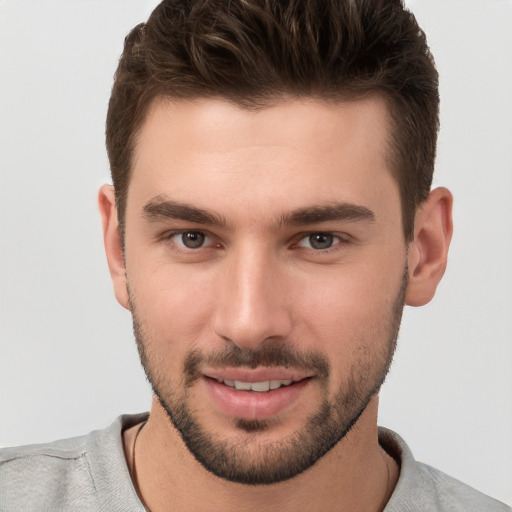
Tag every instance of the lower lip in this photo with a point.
(251, 405)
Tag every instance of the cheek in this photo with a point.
(352, 314)
(174, 306)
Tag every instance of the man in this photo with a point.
(271, 215)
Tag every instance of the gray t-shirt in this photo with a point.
(90, 473)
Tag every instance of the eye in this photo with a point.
(190, 239)
(319, 241)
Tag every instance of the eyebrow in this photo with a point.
(347, 212)
(161, 208)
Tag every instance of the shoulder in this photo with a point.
(452, 494)
(421, 487)
(46, 476)
(79, 474)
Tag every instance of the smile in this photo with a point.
(259, 387)
(255, 394)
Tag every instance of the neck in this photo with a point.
(354, 475)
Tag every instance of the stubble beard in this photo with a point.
(247, 459)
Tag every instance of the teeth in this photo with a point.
(242, 385)
(274, 384)
(259, 387)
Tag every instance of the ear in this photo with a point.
(428, 252)
(113, 245)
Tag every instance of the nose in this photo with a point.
(253, 301)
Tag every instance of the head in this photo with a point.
(255, 53)
(272, 165)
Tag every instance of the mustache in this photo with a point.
(268, 355)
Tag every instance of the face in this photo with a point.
(265, 266)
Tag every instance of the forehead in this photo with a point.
(290, 153)
(201, 122)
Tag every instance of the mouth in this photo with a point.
(255, 394)
(260, 387)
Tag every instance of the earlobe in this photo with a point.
(113, 244)
(428, 252)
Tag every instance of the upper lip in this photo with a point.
(257, 374)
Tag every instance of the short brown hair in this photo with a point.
(253, 52)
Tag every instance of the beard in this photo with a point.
(249, 459)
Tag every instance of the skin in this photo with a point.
(258, 282)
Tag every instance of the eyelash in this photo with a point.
(182, 247)
(338, 240)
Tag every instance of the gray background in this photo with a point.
(68, 363)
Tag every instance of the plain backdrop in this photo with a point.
(68, 362)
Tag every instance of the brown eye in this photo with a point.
(192, 239)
